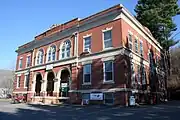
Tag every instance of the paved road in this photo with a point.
(168, 111)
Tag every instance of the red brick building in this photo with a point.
(105, 57)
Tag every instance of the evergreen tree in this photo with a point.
(158, 15)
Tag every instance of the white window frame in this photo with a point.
(104, 72)
(84, 37)
(133, 74)
(141, 47)
(51, 57)
(130, 42)
(20, 63)
(27, 61)
(136, 45)
(107, 30)
(85, 83)
(18, 82)
(37, 54)
(25, 80)
(65, 52)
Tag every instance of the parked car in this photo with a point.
(18, 98)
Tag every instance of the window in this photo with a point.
(107, 39)
(130, 41)
(26, 81)
(141, 48)
(87, 44)
(28, 61)
(108, 71)
(40, 56)
(65, 49)
(52, 53)
(136, 45)
(132, 74)
(143, 76)
(20, 63)
(87, 73)
(108, 98)
(18, 81)
(139, 75)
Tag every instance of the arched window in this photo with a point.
(52, 53)
(65, 49)
(40, 55)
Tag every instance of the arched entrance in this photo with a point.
(64, 83)
(50, 84)
(38, 84)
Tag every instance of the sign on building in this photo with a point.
(96, 96)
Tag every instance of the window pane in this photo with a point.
(20, 63)
(68, 54)
(108, 76)
(53, 56)
(62, 56)
(107, 35)
(130, 38)
(130, 46)
(19, 80)
(108, 66)
(87, 69)
(107, 44)
(87, 78)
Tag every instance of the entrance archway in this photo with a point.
(50, 84)
(38, 84)
(64, 83)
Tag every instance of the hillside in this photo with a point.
(4, 76)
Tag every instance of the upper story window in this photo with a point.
(87, 44)
(87, 73)
(18, 82)
(141, 48)
(28, 61)
(108, 71)
(20, 62)
(107, 35)
(139, 75)
(51, 53)
(136, 45)
(65, 50)
(130, 41)
(40, 56)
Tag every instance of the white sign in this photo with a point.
(49, 67)
(96, 96)
(64, 85)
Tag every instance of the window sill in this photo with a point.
(109, 48)
(108, 82)
(86, 84)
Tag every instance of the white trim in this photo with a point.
(130, 32)
(109, 81)
(84, 42)
(103, 31)
(25, 78)
(21, 72)
(87, 62)
(18, 75)
(100, 90)
(107, 29)
(137, 23)
(87, 35)
(26, 73)
(136, 37)
(87, 83)
(108, 58)
(38, 68)
(18, 81)
(143, 33)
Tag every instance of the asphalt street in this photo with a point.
(168, 111)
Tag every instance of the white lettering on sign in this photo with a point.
(96, 96)
(64, 84)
